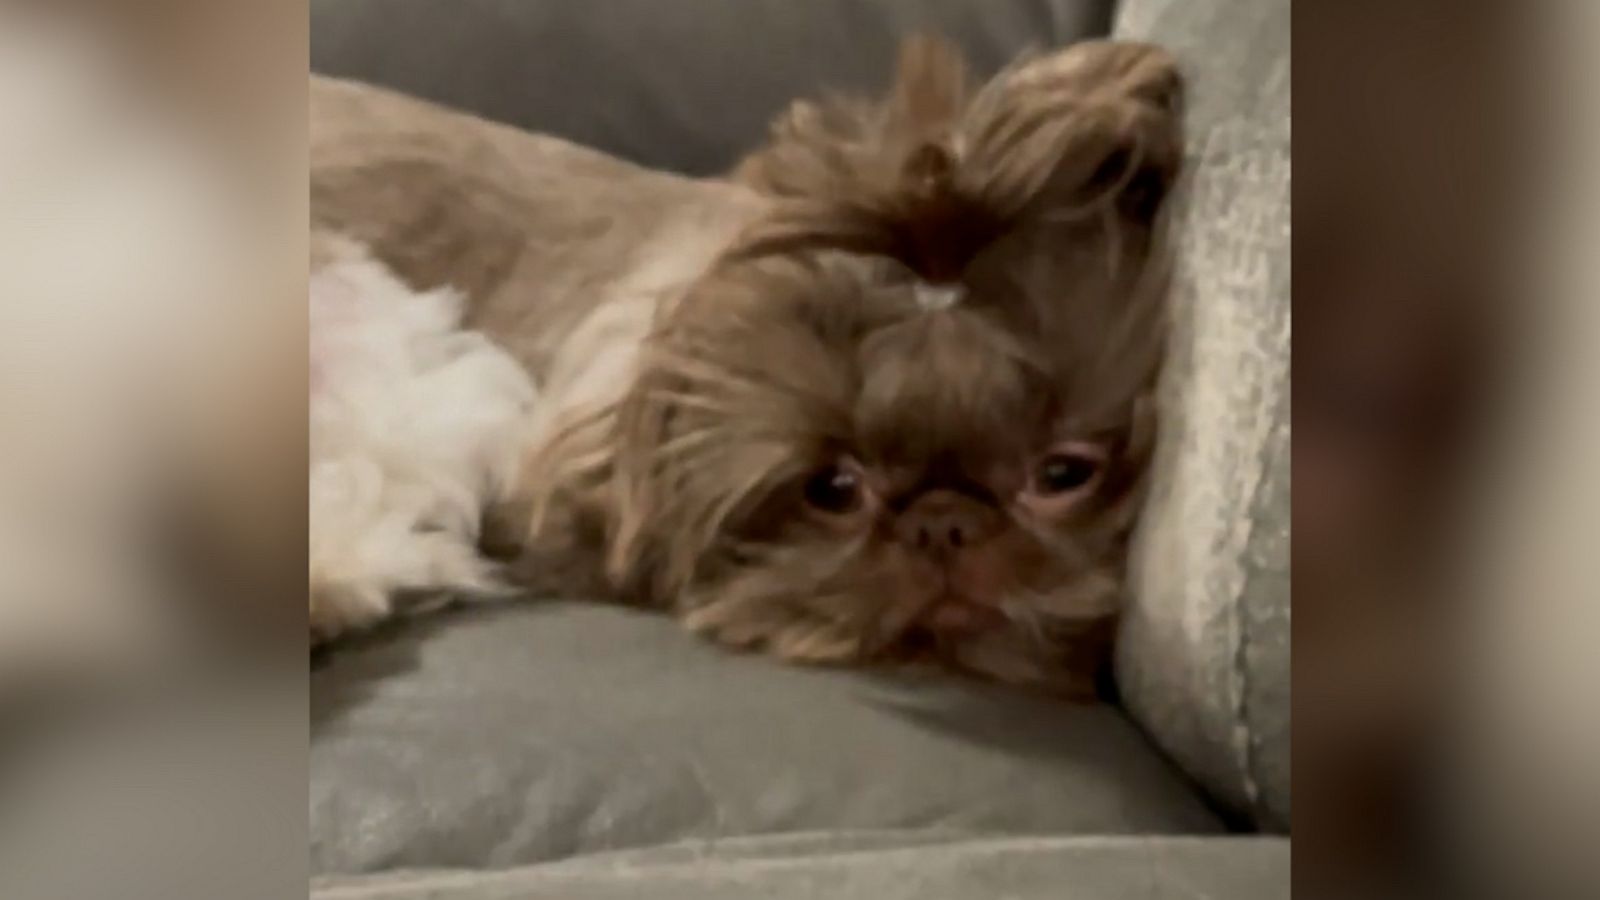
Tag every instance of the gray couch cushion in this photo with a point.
(506, 737)
(878, 867)
(1204, 651)
(685, 85)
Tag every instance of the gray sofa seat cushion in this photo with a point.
(503, 737)
(881, 867)
(686, 85)
(1204, 650)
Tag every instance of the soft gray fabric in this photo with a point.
(179, 785)
(686, 85)
(512, 736)
(1204, 652)
(882, 867)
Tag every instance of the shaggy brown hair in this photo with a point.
(907, 414)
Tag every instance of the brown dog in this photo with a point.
(885, 396)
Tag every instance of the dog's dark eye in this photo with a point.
(835, 489)
(1064, 473)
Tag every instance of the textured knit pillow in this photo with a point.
(1204, 655)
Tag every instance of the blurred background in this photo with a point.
(152, 347)
(1442, 685)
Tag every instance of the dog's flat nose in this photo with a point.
(943, 522)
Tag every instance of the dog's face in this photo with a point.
(908, 414)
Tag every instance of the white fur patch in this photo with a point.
(416, 426)
(938, 296)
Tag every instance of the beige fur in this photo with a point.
(706, 351)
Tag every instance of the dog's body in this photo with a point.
(559, 253)
(808, 409)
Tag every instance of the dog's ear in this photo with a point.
(933, 173)
(872, 176)
(836, 146)
(1100, 120)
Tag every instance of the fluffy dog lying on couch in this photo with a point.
(885, 396)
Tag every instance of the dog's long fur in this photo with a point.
(935, 291)
(415, 429)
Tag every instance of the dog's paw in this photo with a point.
(337, 609)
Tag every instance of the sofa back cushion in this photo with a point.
(1203, 658)
(688, 85)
